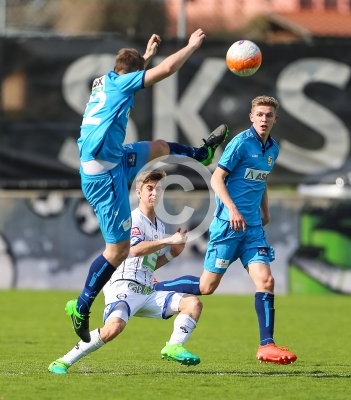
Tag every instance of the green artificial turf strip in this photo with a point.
(35, 331)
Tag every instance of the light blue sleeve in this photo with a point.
(131, 82)
(231, 155)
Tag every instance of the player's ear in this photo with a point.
(251, 117)
(138, 193)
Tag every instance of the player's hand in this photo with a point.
(176, 249)
(178, 238)
(152, 45)
(197, 38)
(265, 219)
(237, 221)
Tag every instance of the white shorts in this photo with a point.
(124, 303)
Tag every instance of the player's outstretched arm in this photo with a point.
(175, 61)
(151, 48)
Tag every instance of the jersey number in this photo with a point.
(100, 97)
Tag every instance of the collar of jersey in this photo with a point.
(269, 140)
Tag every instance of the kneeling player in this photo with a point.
(129, 291)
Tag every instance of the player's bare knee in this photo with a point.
(207, 289)
(267, 284)
(191, 305)
(162, 147)
(116, 255)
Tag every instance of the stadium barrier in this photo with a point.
(49, 239)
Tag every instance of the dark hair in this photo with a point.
(129, 60)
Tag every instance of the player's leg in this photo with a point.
(221, 252)
(184, 284)
(166, 304)
(108, 195)
(203, 154)
(190, 308)
(114, 325)
(257, 258)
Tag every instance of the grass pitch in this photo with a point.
(35, 331)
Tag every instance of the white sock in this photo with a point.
(183, 327)
(82, 349)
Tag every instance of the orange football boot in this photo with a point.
(272, 353)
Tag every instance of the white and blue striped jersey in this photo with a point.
(248, 163)
(140, 269)
(105, 119)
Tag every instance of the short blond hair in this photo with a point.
(149, 176)
(264, 101)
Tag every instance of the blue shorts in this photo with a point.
(108, 192)
(226, 246)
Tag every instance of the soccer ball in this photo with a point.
(243, 58)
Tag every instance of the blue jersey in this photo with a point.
(106, 116)
(248, 163)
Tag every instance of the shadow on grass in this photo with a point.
(248, 374)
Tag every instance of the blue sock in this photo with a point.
(99, 273)
(185, 284)
(198, 153)
(264, 305)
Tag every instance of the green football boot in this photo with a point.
(176, 352)
(80, 322)
(217, 137)
(58, 367)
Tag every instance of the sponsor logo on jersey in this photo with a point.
(98, 84)
(255, 155)
(263, 251)
(221, 263)
(256, 174)
(135, 231)
(270, 160)
(132, 159)
(121, 296)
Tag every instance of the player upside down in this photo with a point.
(239, 182)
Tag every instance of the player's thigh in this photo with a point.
(161, 305)
(135, 157)
(116, 253)
(255, 248)
(223, 248)
(108, 194)
(256, 258)
(121, 302)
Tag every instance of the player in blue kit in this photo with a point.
(107, 165)
(237, 231)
